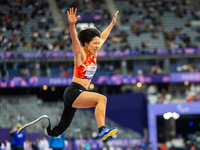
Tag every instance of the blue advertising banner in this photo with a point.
(101, 80)
(185, 76)
(65, 81)
(100, 53)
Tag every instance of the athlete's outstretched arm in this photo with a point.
(106, 32)
(72, 19)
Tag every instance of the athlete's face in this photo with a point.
(93, 46)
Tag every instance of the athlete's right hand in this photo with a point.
(72, 19)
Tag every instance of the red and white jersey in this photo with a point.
(87, 69)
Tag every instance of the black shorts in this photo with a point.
(72, 92)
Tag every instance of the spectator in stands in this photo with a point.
(8, 145)
(24, 72)
(178, 142)
(76, 95)
(66, 145)
(57, 143)
(155, 35)
(17, 140)
(1, 145)
(162, 146)
(159, 97)
(156, 70)
(192, 93)
(145, 45)
(146, 144)
(40, 102)
(168, 97)
(20, 118)
(168, 144)
(28, 145)
(43, 144)
(152, 94)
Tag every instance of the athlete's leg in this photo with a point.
(90, 99)
(65, 121)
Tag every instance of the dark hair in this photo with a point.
(87, 35)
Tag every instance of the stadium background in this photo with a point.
(151, 59)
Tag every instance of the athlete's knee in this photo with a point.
(103, 99)
(56, 131)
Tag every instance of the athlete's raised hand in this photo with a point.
(72, 19)
(114, 18)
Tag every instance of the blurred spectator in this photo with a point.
(160, 97)
(28, 145)
(57, 143)
(155, 35)
(156, 70)
(162, 146)
(43, 144)
(40, 102)
(146, 144)
(145, 45)
(17, 139)
(192, 93)
(8, 145)
(168, 97)
(20, 118)
(152, 94)
(178, 143)
(168, 144)
(1, 145)
(66, 145)
(24, 72)
(189, 145)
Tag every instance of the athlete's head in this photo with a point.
(87, 35)
(90, 39)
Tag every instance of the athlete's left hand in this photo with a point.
(115, 17)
